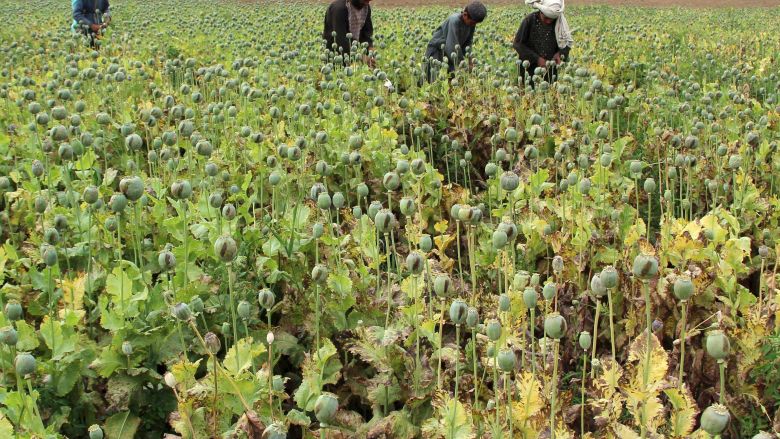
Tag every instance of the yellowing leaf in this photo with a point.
(659, 362)
(241, 355)
(73, 291)
(529, 398)
(683, 413)
(623, 432)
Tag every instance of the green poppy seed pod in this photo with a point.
(196, 305)
(491, 169)
(325, 407)
(509, 228)
(134, 142)
(501, 154)
(557, 264)
(117, 203)
(225, 248)
(338, 200)
(244, 309)
(602, 132)
(635, 167)
(458, 311)
(520, 281)
(649, 186)
(49, 256)
(204, 148)
(408, 206)
(275, 431)
(472, 318)
(415, 263)
(717, 344)
(509, 181)
(323, 201)
(535, 279)
(24, 363)
(609, 277)
(225, 329)
(584, 186)
(212, 342)
(715, 419)
(186, 128)
(418, 166)
(455, 211)
(722, 150)
(211, 169)
(668, 195)
(504, 302)
(95, 432)
(491, 351)
(530, 297)
(555, 326)
(585, 340)
(384, 221)
(51, 236)
(13, 311)
(549, 290)
(605, 160)
(645, 267)
(683, 288)
(37, 168)
(597, 286)
(60, 222)
(510, 134)
(402, 166)
(362, 190)
(181, 190)
(442, 284)
(215, 200)
(182, 311)
(499, 239)
(319, 274)
(763, 251)
(9, 336)
(127, 348)
(506, 360)
(266, 298)
(373, 209)
(465, 213)
(426, 243)
(735, 162)
(316, 230)
(166, 260)
(132, 187)
(91, 194)
(764, 435)
(493, 329)
(391, 181)
(355, 141)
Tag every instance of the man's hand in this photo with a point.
(94, 27)
(541, 62)
(557, 58)
(370, 61)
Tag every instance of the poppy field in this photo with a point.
(211, 227)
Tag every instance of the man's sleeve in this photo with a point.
(565, 52)
(367, 33)
(450, 41)
(78, 13)
(521, 43)
(106, 10)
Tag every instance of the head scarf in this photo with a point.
(357, 18)
(554, 9)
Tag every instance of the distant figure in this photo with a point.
(348, 20)
(90, 17)
(453, 37)
(544, 36)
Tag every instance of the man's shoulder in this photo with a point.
(530, 16)
(337, 5)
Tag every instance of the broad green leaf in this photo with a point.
(28, 339)
(61, 339)
(122, 425)
(340, 283)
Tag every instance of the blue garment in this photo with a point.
(84, 12)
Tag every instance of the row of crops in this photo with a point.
(210, 229)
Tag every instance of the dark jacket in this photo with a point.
(84, 12)
(536, 40)
(337, 20)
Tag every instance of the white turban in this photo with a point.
(554, 9)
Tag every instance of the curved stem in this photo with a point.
(582, 394)
(554, 389)
(611, 323)
(682, 343)
(722, 367)
(457, 378)
(595, 335)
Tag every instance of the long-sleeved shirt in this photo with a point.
(535, 39)
(337, 20)
(451, 33)
(84, 12)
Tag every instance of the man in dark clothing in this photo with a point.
(347, 21)
(453, 37)
(543, 36)
(90, 17)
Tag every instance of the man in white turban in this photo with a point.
(543, 36)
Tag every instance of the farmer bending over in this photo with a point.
(543, 36)
(453, 37)
(90, 17)
(347, 21)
